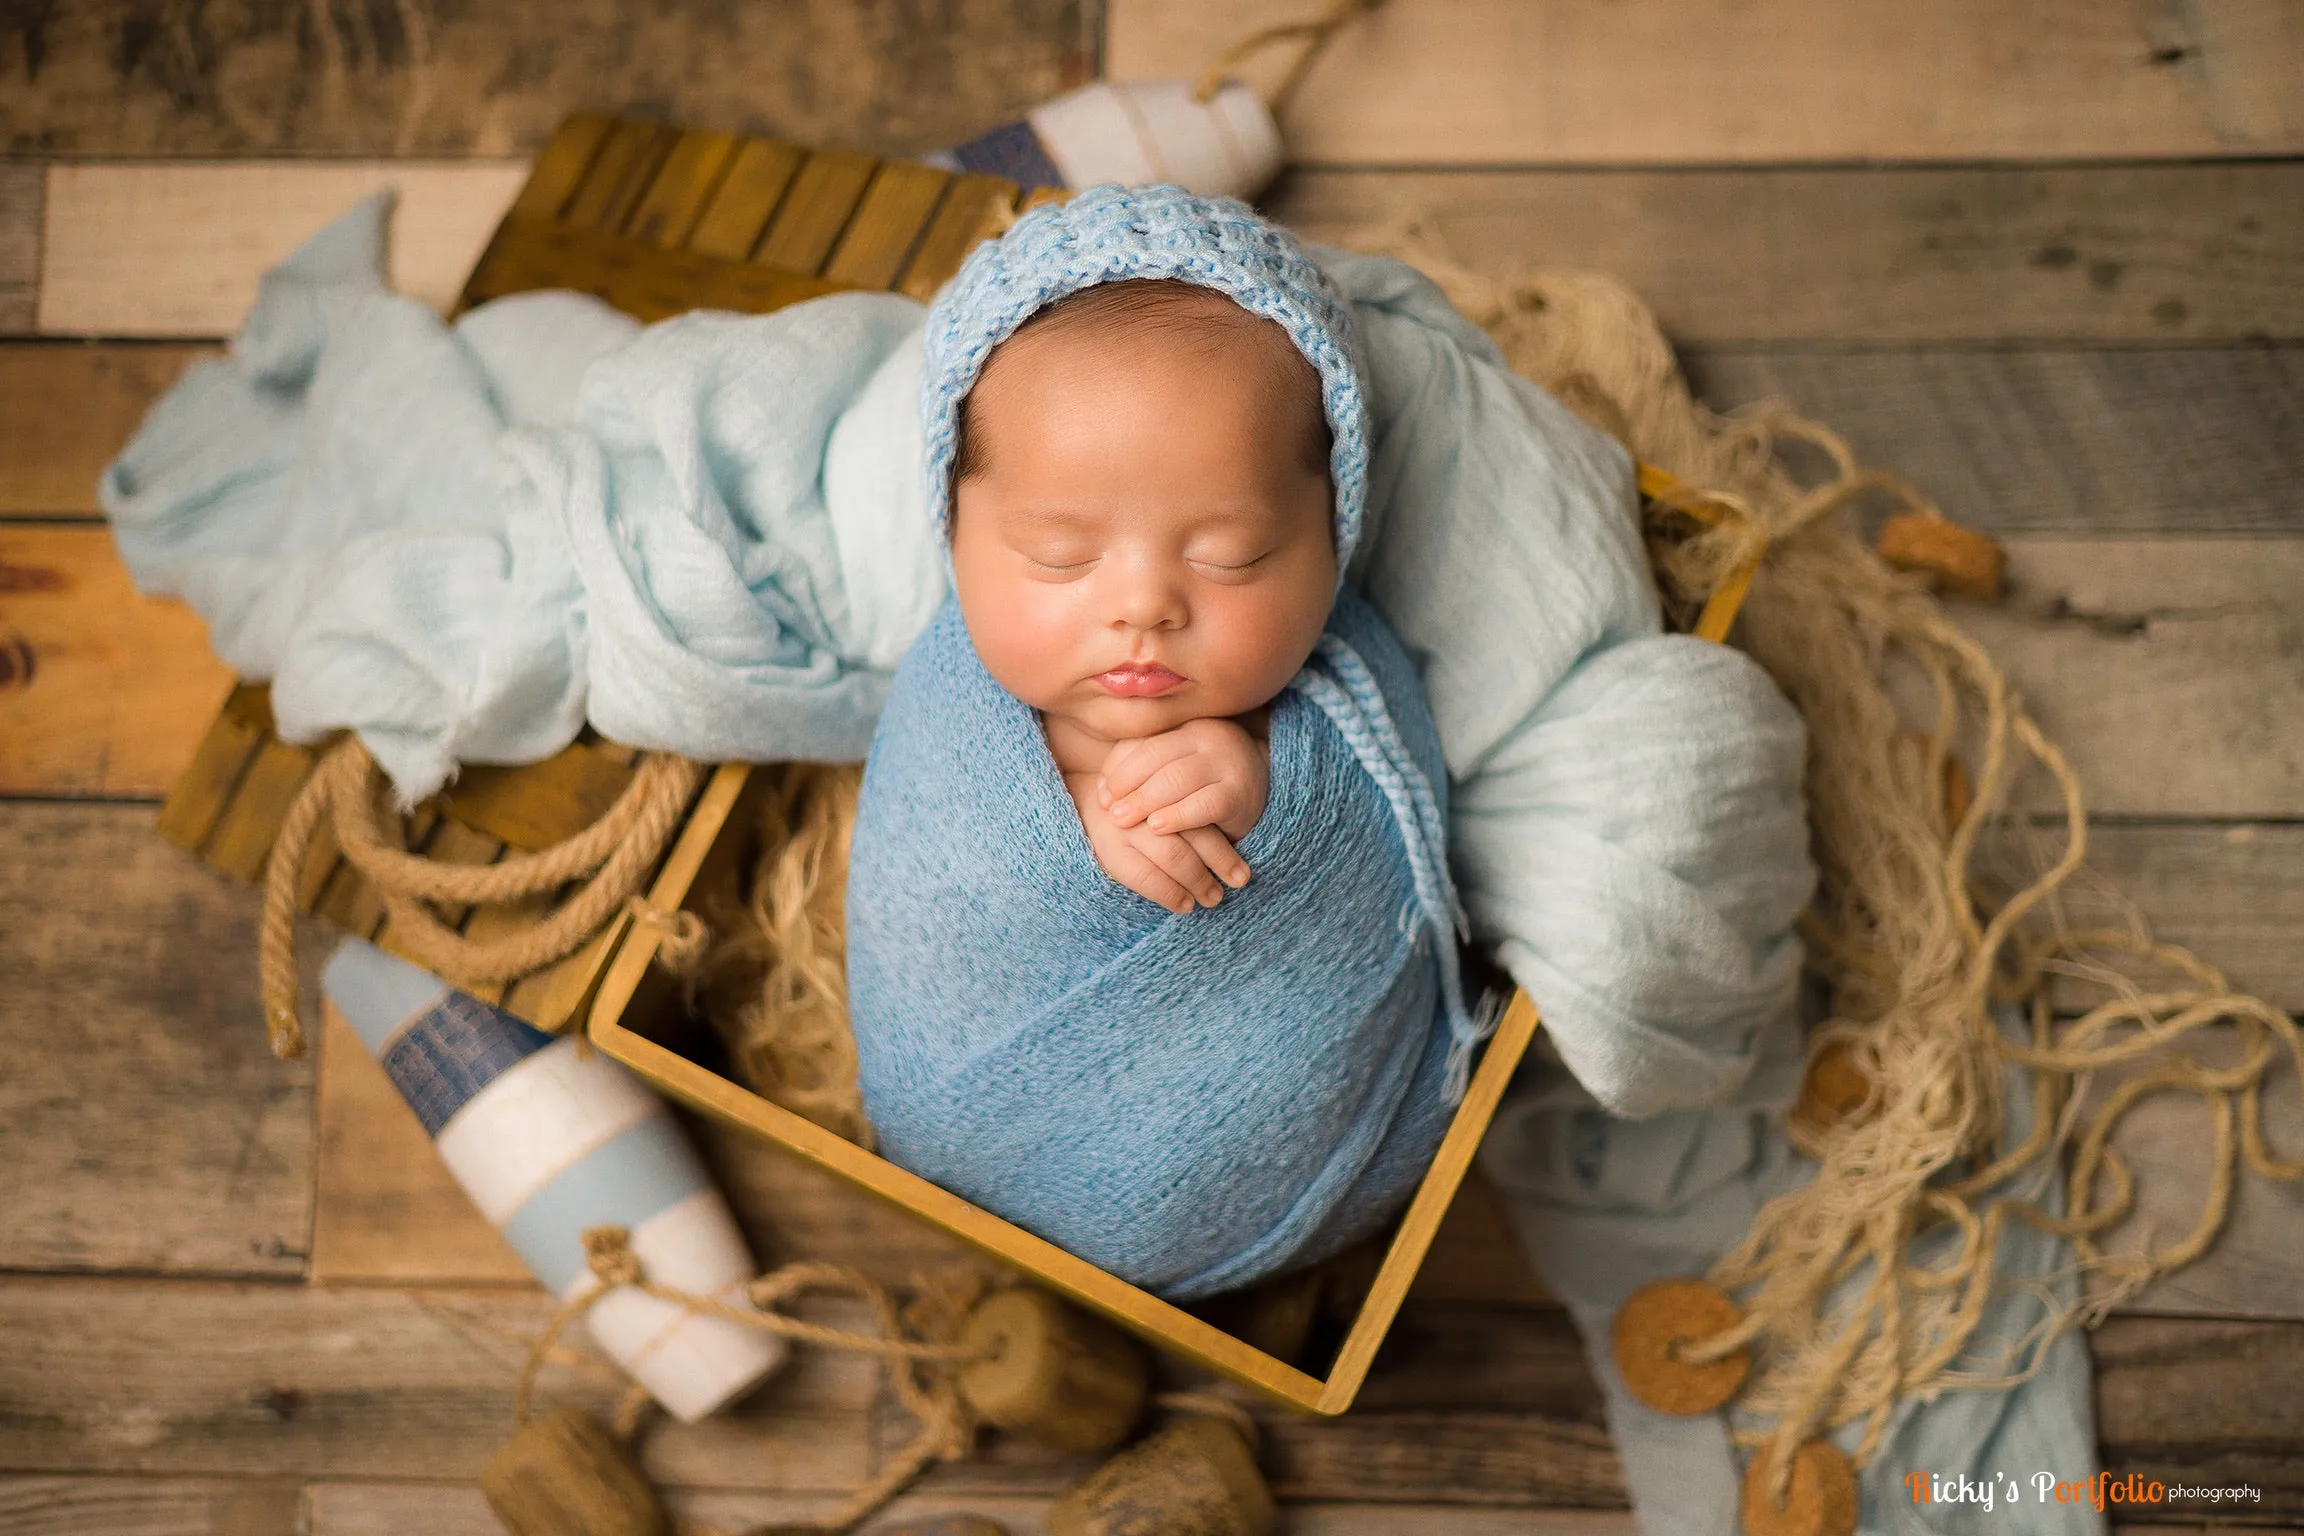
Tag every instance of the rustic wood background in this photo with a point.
(2044, 257)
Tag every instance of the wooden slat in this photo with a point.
(242, 839)
(561, 164)
(20, 196)
(747, 196)
(137, 1506)
(683, 186)
(70, 410)
(639, 280)
(2128, 441)
(105, 274)
(538, 804)
(889, 222)
(2126, 253)
(102, 691)
(969, 212)
(199, 795)
(1455, 82)
(815, 209)
(618, 175)
(448, 80)
(144, 1123)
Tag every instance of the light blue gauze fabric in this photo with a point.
(1189, 1100)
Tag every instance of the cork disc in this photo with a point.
(1959, 560)
(1051, 1373)
(1196, 1477)
(1834, 1088)
(1662, 1315)
(1821, 1499)
(564, 1474)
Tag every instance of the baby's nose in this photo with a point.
(1150, 599)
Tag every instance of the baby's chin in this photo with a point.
(1118, 719)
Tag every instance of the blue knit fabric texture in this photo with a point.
(1190, 1101)
(1114, 234)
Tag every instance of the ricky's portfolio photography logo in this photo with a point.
(2105, 1490)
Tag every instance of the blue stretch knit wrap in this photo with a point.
(1069, 1054)
(1191, 1101)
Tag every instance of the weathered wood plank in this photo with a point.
(109, 1375)
(361, 1383)
(143, 1123)
(2127, 253)
(1456, 82)
(70, 410)
(815, 209)
(20, 194)
(432, 77)
(2171, 253)
(227, 223)
(393, 1509)
(2256, 1268)
(103, 691)
(139, 1506)
(2170, 672)
(2131, 442)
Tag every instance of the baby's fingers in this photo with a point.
(1137, 872)
(1215, 850)
(1130, 763)
(1209, 805)
(1182, 862)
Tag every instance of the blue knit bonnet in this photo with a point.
(1113, 233)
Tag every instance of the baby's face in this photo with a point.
(1147, 540)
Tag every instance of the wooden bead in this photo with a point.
(1052, 1373)
(1194, 1478)
(1834, 1088)
(1821, 1499)
(564, 1474)
(1955, 559)
(1657, 1318)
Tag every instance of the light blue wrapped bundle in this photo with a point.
(1188, 1100)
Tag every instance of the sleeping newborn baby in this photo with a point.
(1152, 943)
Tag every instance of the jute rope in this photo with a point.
(774, 982)
(919, 1369)
(1315, 35)
(1914, 953)
(344, 793)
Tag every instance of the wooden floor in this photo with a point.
(2044, 257)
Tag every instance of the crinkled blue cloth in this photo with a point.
(1187, 1100)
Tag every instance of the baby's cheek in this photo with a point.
(1025, 639)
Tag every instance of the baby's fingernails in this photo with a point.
(1159, 823)
(1237, 876)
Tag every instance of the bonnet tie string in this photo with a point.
(1355, 706)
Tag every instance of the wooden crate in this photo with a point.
(654, 221)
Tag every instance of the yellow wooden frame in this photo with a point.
(1163, 1323)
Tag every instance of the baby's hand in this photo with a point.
(1204, 773)
(1174, 869)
